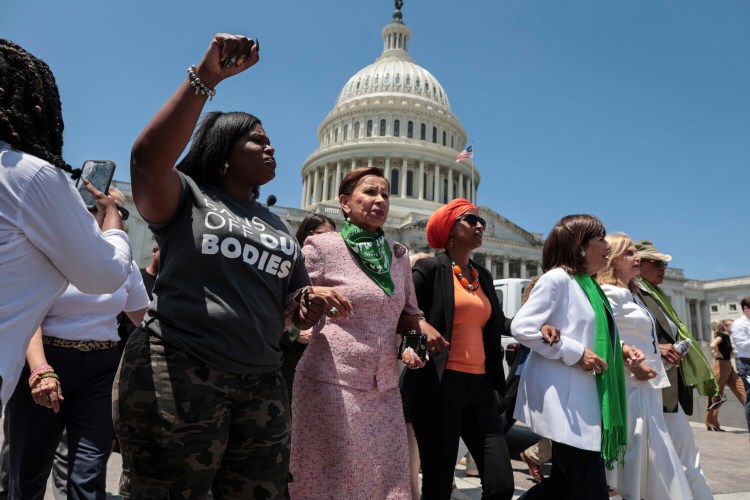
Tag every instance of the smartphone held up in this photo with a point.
(99, 173)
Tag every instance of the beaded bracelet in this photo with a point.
(40, 369)
(200, 87)
(39, 376)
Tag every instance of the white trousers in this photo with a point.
(690, 456)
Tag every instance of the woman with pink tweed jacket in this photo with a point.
(348, 431)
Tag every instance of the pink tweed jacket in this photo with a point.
(361, 351)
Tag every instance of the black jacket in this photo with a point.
(677, 391)
(433, 281)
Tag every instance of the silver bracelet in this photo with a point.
(200, 87)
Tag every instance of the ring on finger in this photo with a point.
(332, 312)
(230, 62)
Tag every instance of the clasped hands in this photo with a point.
(315, 301)
(632, 356)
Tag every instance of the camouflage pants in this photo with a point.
(185, 427)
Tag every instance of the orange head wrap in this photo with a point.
(441, 221)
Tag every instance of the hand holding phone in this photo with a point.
(99, 173)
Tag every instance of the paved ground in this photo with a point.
(724, 456)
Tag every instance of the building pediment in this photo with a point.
(500, 228)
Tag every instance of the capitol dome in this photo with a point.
(392, 114)
(395, 72)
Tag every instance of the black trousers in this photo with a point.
(576, 475)
(86, 412)
(465, 407)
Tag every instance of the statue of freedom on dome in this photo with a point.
(397, 16)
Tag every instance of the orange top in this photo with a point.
(472, 311)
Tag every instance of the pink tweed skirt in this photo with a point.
(347, 443)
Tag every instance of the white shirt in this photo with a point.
(81, 316)
(636, 327)
(741, 336)
(47, 238)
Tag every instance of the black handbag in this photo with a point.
(415, 340)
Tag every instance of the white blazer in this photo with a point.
(556, 398)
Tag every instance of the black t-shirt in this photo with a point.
(725, 346)
(228, 270)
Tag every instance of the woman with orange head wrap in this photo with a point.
(454, 394)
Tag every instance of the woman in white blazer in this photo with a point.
(558, 394)
(652, 468)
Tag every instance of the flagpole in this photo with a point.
(471, 167)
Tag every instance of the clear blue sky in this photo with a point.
(635, 111)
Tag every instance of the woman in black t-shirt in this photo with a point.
(199, 400)
(724, 372)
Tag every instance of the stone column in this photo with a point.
(436, 184)
(369, 162)
(538, 268)
(450, 183)
(354, 165)
(303, 203)
(524, 274)
(388, 171)
(506, 267)
(315, 187)
(404, 173)
(699, 321)
(461, 193)
(488, 263)
(336, 181)
(326, 175)
(420, 182)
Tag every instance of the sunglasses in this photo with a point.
(657, 263)
(473, 219)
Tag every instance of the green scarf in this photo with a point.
(694, 367)
(372, 252)
(610, 383)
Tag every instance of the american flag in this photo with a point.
(465, 154)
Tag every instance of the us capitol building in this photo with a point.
(394, 114)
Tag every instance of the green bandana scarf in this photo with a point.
(610, 384)
(372, 252)
(694, 367)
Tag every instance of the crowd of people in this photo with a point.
(246, 361)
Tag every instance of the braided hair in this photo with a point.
(30, 109)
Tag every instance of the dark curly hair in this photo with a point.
(30, 109)
(212, 142)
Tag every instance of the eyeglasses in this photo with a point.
(124, 212)
(473, 219)
(657, 263)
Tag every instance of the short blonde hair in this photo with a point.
(619, 243)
